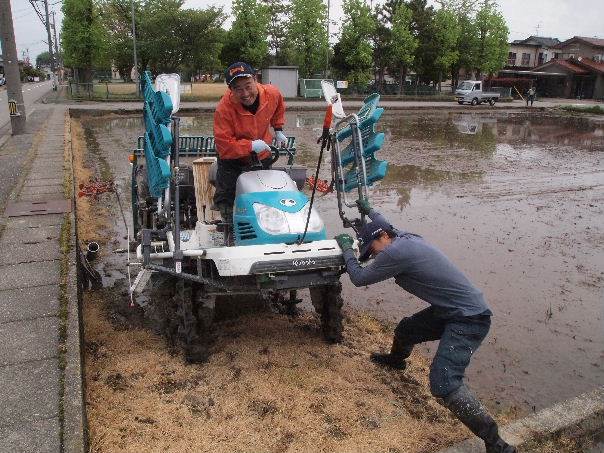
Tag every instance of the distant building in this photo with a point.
(573, 78)
(571, 69)
(530, 52)
(579, 46)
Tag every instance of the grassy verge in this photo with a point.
(593, 109)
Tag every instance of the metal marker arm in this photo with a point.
(178, 255)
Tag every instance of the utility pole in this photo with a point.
(327, 27)
(54, 30)
(11, 69)
(52, 58)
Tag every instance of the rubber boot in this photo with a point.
(396, 358)
(466, 407)
(226, 212)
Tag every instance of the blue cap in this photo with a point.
(368, 233)
(238, 69)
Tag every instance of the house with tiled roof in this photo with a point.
(530, 52)
(572, 78)
(580, 46)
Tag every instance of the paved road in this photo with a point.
(31, 93)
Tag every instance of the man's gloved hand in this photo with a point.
(259, 145)
(344, 241)
(364, 206)
(280, 139)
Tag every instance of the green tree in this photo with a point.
(280, 15)
(307, 36)
(493, 36)
(382, 44)
(355, 41)
(404, 44)
(467, 42)
(43, 59)
(82, 38)
(423, 26)
(247, 38)
(168, 36)
(447, 32)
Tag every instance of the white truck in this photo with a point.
(470, 91)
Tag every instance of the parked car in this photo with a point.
(470, 91)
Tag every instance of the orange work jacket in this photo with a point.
(235, 127)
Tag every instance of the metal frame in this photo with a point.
(338, 169)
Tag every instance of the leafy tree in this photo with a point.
(447, 32)
(404, 43)
(423, 27)
(382, 44)
(493, 36)
(82, 38)
(467, 41)
(247, 38)
(168, 36)
(355, 41)
(307, 36)
(43, 59)
(279, 14)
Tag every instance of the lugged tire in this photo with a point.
(328, 302)
(183, 315)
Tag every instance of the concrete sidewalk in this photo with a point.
(40, 376)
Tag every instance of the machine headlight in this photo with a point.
(275, 221)
(271, 220)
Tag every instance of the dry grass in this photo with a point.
(271, 385)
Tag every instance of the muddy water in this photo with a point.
(516, 200)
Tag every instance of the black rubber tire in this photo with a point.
(328, 303)
(475, 101)
(460, 102)
(144, 197)
(182, 315)
(194, 321)
(492, 102)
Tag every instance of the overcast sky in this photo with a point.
(560, 19)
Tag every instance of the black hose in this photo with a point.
(325, 143)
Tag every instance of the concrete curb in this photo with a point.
(74, 410)
(585, 412)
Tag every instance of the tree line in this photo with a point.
(395, 37)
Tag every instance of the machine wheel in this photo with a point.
(143, 195)
(491, 102)
(460, 102)
(475, 101)
(183, 314)
(327, 300)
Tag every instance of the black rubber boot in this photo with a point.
(466, 407)
(389, 360)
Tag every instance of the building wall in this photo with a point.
(579, 49)
(286, 79)
(599, 87)
(533, 52)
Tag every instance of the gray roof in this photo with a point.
(541, 41)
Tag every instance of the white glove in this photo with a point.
(280, 139)
(259, 145)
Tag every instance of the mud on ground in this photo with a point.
(271, 384)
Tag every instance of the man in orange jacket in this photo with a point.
(241, 128)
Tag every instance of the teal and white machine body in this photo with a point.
(269, 209)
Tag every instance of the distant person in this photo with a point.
(458, 315)
(241, 128)
(530, 96)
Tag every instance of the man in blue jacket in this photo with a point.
(458, 314)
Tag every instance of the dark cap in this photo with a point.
(238, 69)
(368, 233)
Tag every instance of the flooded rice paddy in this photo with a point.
(515, 199)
